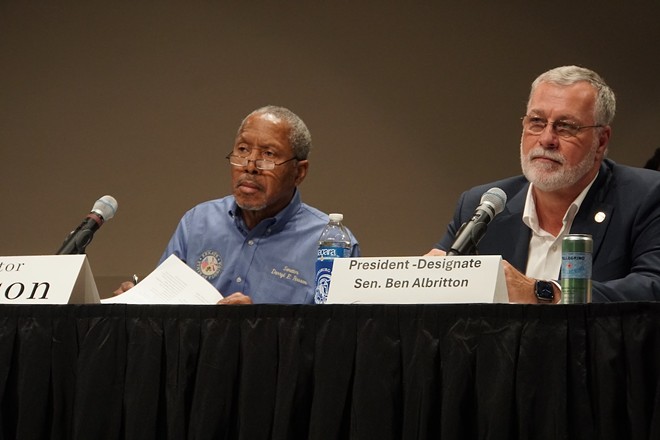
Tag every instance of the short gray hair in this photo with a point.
(300, 138)
(605, 106)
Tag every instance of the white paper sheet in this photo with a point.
(173, 282)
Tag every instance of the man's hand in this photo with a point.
(236, 298)
(435, 253)
(123, 287)
(521, 287)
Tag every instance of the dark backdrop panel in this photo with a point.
(409, 103)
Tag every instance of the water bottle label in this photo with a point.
(332, 252)
(323, 274)
(326, 256)
(576, 265)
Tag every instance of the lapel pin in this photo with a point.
(599, 217)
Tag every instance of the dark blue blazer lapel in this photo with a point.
(594, 215)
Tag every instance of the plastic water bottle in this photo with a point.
(333, 243)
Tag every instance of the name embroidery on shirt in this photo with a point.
(209, 264)
(288, 273)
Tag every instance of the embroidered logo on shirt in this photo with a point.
(209, 265)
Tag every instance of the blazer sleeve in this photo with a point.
(634, 275)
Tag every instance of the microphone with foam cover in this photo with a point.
(472, 231)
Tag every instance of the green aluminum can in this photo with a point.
(576, 268)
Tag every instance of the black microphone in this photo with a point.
(473, 230)
(76, 242)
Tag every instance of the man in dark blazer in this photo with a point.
(573, 189)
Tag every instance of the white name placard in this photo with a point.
(47, 279)
(418, 280)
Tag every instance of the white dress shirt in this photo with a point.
(544, 258)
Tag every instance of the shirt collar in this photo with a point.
(271, 224)
(531, 219)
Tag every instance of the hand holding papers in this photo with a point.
(173, 282)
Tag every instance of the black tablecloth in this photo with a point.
(481, 371)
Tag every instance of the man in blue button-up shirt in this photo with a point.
(258, 245)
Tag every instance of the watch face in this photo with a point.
(544, 291)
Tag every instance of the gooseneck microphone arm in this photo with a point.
(467, 238)
(78, 239)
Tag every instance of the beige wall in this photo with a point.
(407, 106)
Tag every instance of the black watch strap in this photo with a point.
(544, 291)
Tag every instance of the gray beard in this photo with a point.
(250, 208)
(546, 180)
